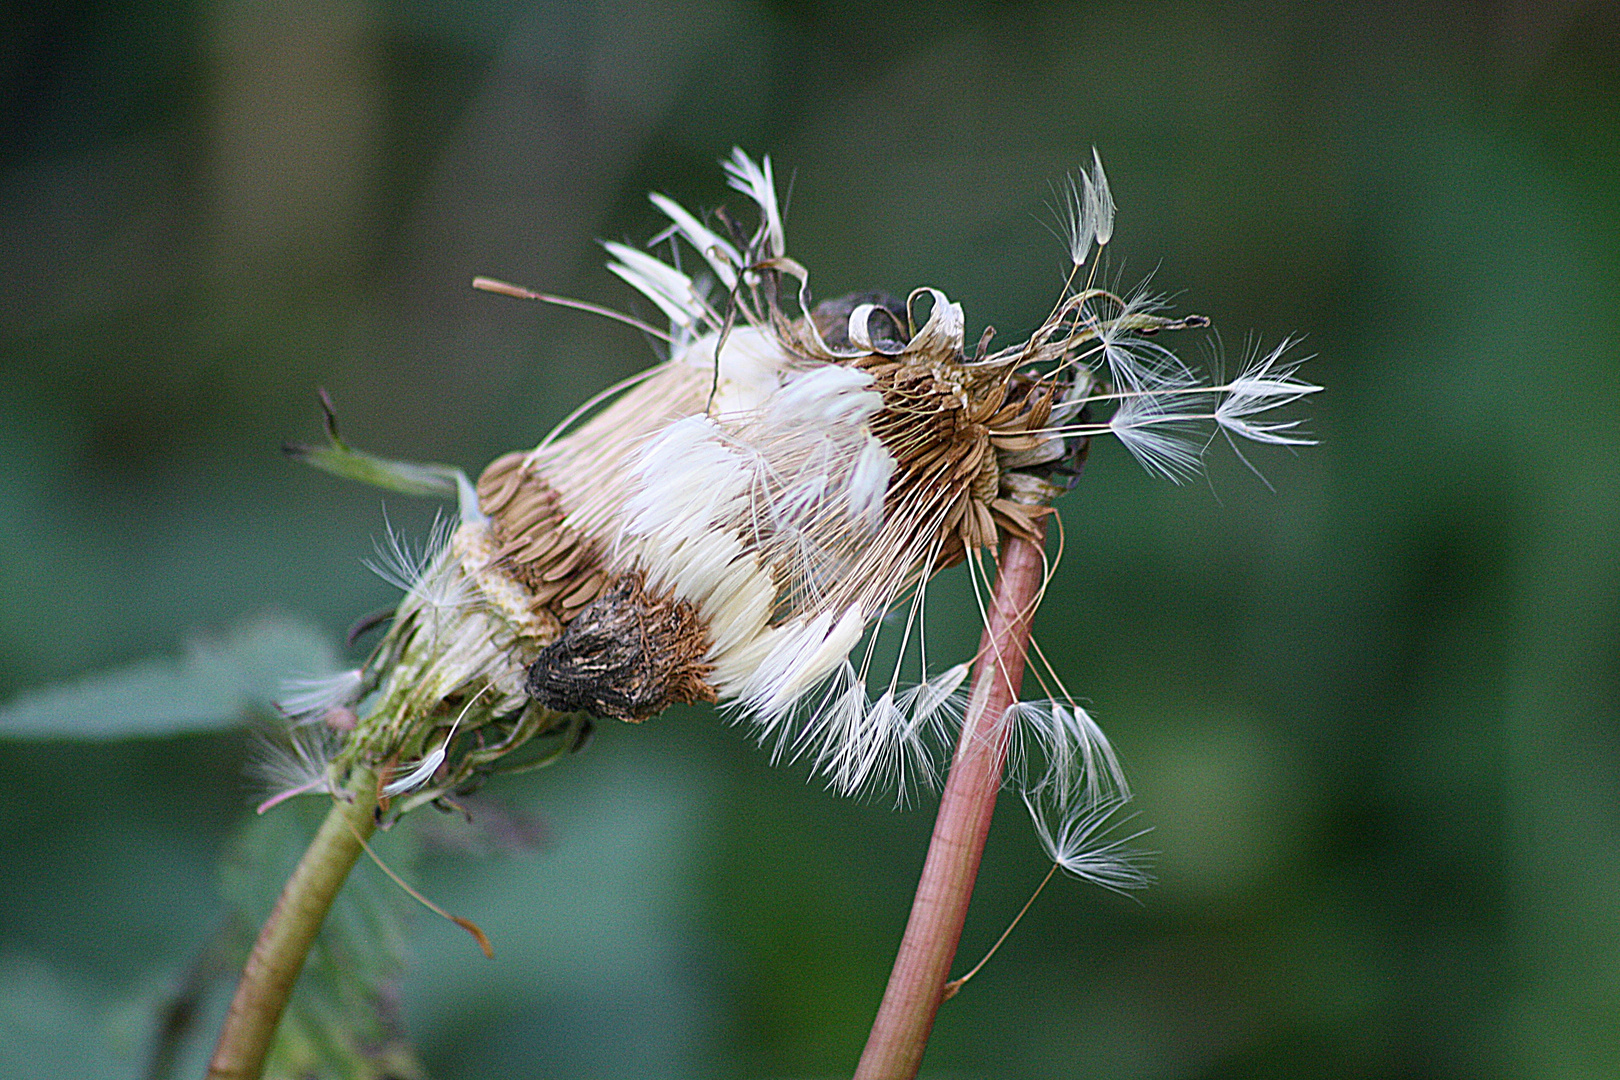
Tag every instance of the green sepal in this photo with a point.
(405, 477)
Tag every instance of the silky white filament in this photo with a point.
(1267, 384)
(722, 257)
(1078, 840)
(758, 184)
(429, 764)
(307, 700)
(1056, 749)
(1166, 442)
(891, 744)
(1086, 212)
(294, 762)
(400, 562)
(659, 282)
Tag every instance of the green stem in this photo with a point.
(894, 1049)
(278, 955)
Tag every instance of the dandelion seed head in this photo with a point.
(734, 524)
(787, 476)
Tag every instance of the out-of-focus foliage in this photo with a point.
(219, 682)
(1371, 716)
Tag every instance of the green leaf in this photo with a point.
(217, 683)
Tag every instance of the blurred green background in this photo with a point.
(1371, 716)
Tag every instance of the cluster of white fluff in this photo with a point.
(767, 510)
(780, 462)
(754, 489)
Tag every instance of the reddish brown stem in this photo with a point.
(894, 1049)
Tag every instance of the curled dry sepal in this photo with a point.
(732, 523)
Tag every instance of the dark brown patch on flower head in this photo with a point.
(627, 655)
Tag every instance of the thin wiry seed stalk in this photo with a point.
(284, 942)
(894, 1049)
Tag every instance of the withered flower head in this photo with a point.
(733, 524)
